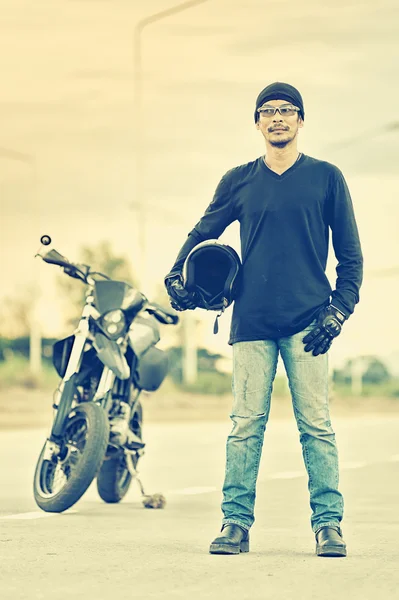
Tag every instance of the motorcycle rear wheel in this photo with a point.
(61, 481)
(114, 478)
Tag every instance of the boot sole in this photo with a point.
(330, 551)
(229, 548)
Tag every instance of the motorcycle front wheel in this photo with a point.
(61, 480)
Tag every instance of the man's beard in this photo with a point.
(282, 143)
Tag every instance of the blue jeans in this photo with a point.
(254, 369)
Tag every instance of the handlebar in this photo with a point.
(83, 272)
(75, 270)
(162, 314)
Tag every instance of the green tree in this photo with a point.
(206, 362)
(100, 258)
(375, 371)
(15, 313)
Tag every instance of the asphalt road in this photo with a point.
(102, 551)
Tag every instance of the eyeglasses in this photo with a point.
(285, 111)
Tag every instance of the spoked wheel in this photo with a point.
(61, 479)
(114, 477)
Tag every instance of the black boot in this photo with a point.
(329, 542)
(234, 539)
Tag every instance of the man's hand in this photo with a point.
(328, 326)
(179, 298)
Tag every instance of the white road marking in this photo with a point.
(287, 475)
(35, 515)
(191, 491)
(353, 465)
(281, 475)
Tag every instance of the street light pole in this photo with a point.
(359, 366)
(190, 344)
(139, 199)
(35, 341)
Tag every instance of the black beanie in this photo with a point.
(279, 91)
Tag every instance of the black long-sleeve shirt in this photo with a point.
(284, 229)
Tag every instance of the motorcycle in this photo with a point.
(104, 366)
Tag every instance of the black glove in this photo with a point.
(179, 298)
(328, 326)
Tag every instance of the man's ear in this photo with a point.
(300, 122)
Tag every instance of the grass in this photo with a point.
(388, 389)
(26, 401)
(15, 372)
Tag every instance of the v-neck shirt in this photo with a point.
(298, 158)
(285, 221)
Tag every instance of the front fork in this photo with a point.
(66, 391)
(103, 394)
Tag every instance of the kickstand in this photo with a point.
(149, 500)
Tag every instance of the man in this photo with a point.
(286, 203)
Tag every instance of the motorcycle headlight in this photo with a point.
(113, 323)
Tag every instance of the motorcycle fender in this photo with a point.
(111, 356)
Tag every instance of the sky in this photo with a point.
(77, 157)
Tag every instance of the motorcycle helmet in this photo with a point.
(212, 270)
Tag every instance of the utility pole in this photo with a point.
(358, 369)
(190, 351)
(35, 340)
(140, 204)
(359, 364)
(140, 150)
